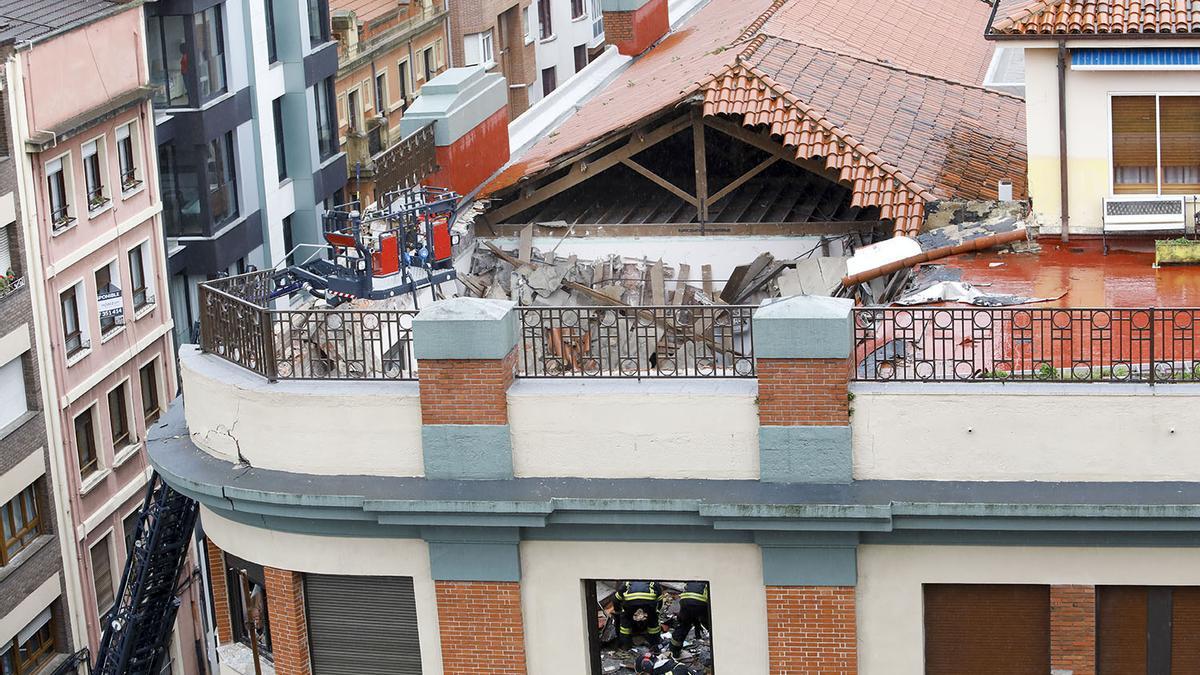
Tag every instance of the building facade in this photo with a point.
(386, 53)
(500, 35)
(94, 257)
(247, 147)
(569, 34)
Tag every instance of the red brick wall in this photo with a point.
(466, 391)
(481, 627)
(803, 392)
(1073, 629)
(220, 591)
(634, 32)
(812, 630)
(289, 628)
(467, 162)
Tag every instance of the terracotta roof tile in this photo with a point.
(1097, 17)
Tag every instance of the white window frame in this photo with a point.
(382, 106)
(404, 72)
(97, 147)
(9, 393)
(159, 386)
(81, 318)
(115, 275)
(103, 469)
(478, 48)
(54, 165)
(113, 580)
(132, 187)
(1112, 174)
(148, 278)
(123, 453)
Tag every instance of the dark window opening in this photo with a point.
(326, 123)
(22, 523)
(280, 144)
(85, 443)
(118, 415)
(318, 22)
(248, 610)
(272, 43)
(627, 617)
(545, 23)
(149, 379)
(581, 57)
(549, 80)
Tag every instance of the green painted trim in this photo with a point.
(810, 565)
(805, 454)
(467, 451)
(803, 327)
(465, 328)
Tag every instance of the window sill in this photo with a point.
(547, 40)
(99, 210)
(143, 310)
(581, 17)
(25, 554)
(105, 337)
(56, 230)
(78, 356)
(8, 429)
(94, 480)
(124, 454)
(131, 192)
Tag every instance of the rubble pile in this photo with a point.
(697, 651)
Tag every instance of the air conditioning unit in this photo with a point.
(1144, 213)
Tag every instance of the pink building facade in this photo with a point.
(82, 114)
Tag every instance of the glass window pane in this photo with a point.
(1134, 142)
(210, 58)
(175, 58)
(1179, 119)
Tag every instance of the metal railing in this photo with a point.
(637, 342)
(238, 324)
(1021, 344)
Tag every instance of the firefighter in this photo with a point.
(637, 604)
(693, 613)
(647, 664)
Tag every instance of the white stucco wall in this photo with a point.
(320, 427)
(552, 575)
(1034, 432)
(631, 429)
(891, 638)
(341, 555)
(1088, 129)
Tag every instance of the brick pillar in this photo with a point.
(812, 630)
(218, 581)
(466, 352)
(634, 25)
(469, 111)
(802, 348)
(1073, 630)
(481, 627)
(289, 627)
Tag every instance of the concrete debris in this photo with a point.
(932, 288)
(697, 649)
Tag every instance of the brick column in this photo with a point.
(481, 627)
(218, 581)
(1073, 630)
(811, 630)
(634, 25)
(802, 348)
(289, 627)
(466, 352)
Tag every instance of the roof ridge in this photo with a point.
(1025, 14)
(867, 152)
(889, 66)
(756, 25)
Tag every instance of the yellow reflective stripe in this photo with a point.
(693, 596)
(640, 596)
(626, 631)
(655, 630)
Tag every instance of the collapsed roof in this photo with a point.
(882, 95)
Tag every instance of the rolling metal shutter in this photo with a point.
(362, 625)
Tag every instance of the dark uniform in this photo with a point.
(635, 596)
(664, 666)
(693, 613)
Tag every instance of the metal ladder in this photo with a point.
(138, 627)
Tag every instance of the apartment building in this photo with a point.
(568, 35)
(33, 598)
(247, 147)
(386, 52)
(94, 261)
(500, 35)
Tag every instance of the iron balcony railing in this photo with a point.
(1149, 345)
(238, 324)
(637, 342)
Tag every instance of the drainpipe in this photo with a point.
(1064, 191)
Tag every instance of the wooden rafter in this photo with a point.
(767, 144)
(660, 181)
(741, 180)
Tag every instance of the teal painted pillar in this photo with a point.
(466, 360)
(802, 348)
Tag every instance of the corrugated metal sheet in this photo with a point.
(362, 625)
(1134, 58)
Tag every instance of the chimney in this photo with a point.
(634, 25)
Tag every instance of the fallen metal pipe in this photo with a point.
(969, 246)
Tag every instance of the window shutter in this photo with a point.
(362, 625)
(437, 53)
(5, 251)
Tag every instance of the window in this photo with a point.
(577, 9)
(14, 402)
(118, 415)
(127, 157)
(280, 151)
(179, 177)
(986, 629)
(353, 112)
(138, 275)
(222, 183)
(478, 49)
(85, 443)
(387, 604)
(31, 648)
(289, 240)
(326, 138)
(526, 29)
(72, 321)
(381, 93)
(8, 271)
(597, 19)
(318, 22)
(22, 523)
(248, 609)
(405, 75)
(1156, 144)
(167, 52)
(549, 80)
(129, 526)
(272, 45)
(210, 52)
(93, 175)
(545, 25)
(644, 606)
(58, 189)
(428, 64)
(581, 59)
(150, 405)
(109, 302)
(101, 554)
